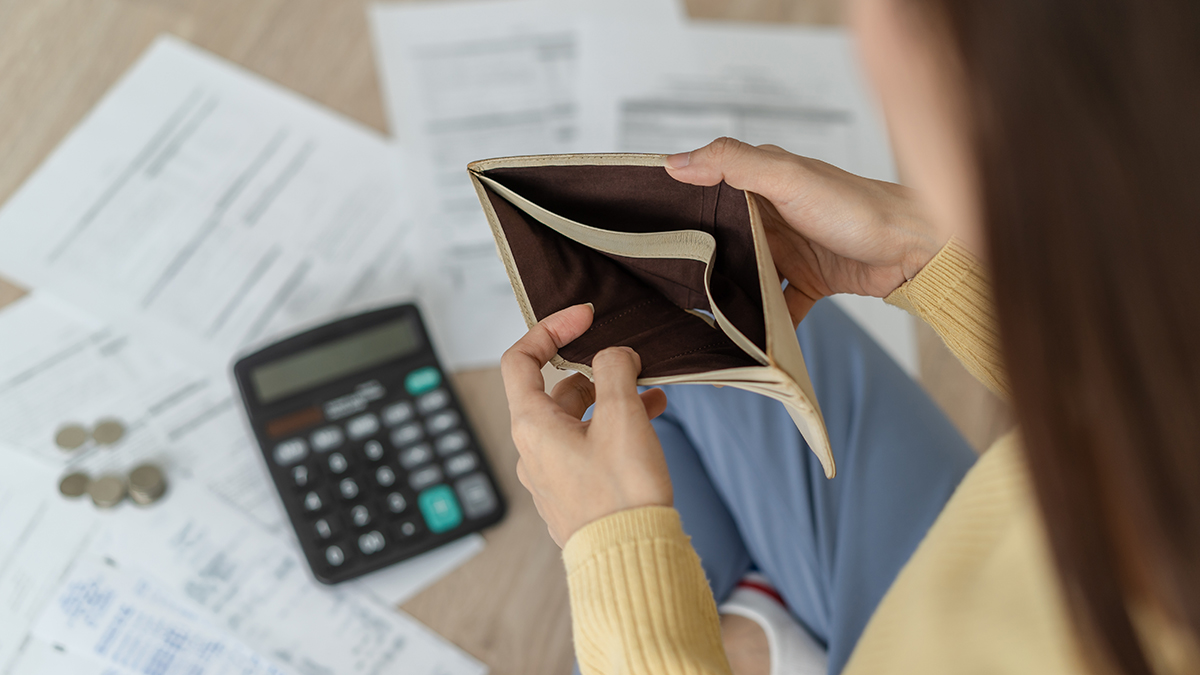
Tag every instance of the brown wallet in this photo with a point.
(680, 273)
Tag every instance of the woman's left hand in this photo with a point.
(580, 471)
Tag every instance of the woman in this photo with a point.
(1057, 140)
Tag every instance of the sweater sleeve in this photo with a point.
(639, 599)
(953, 295)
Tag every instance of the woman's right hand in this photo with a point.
(829, 231)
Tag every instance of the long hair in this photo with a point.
(1085, 130)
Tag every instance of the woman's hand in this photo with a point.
(581, 471)
(829, 231)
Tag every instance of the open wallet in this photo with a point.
(680, 273)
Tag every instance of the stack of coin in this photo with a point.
(107, 491)
(146, 484)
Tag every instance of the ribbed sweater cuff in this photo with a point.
(953, 295)
(624, 527)
(941, 277)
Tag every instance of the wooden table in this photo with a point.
(508, 606)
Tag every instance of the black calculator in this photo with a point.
(367, 442)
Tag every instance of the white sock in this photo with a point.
(793, 651)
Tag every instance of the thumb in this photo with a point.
(615, 372)
(767, 170)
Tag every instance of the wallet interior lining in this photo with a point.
(640, 302)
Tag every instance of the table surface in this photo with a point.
(508, 606)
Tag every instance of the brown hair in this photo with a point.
(1085, 122)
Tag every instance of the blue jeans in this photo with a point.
(752, 495)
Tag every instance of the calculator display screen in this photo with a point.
(332, 360)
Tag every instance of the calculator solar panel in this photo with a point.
(367, 443)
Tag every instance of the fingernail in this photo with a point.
(679, 161)
(592, 306)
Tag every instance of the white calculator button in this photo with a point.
(385, 476)
(406, 434)
(362, 426)
(460, 464)
(300, 476)
(397, 413)
(334, 556)
(324, 531)
(396, 503)
(423, 478)
(327, 438)
(443, 421)
(476, 494)
(434, 400)
(360, 515)
(312, 502)
(290, 451)
(338, 463)
(349, 488)
(416, 455)
(452, 442)
(371, 542)
(373, 450)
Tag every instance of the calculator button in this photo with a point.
(348, 488)
(440, 508)
(395, 503)
(478, 497)
(397, 413)
(290, 451)
(300, 476)
(334, 556)
(452, 442)
(434, 400)
(362, 426)
(422, 380)
(325, 528)
(460, 464)
(385, 476)
(373, 450)
(423, 478)
(360, 516)
(371, 542)
(406, 530)
(338, 463)
(409, 433)
(313, 502)
(326, 438)
(443, 421)
(416, 456)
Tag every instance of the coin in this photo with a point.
(70, 436)
(146, 484)
(74, 484)
(108, 431)
(107, 491)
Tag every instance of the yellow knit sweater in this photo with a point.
(978, 595)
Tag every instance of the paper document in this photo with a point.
(468, 80)
(211, 206)
(798, 88)
(257, 589)
(40, 536)
(125, 622)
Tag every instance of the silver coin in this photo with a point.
(70, 436)
(74, 484)
(107, 491)
(108, 431)
(146, 484)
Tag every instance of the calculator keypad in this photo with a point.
(387, 476)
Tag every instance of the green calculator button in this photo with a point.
(422, 380)
(440, 508)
